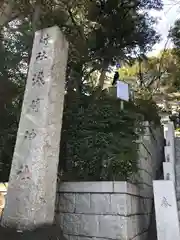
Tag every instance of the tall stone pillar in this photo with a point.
(32, 185)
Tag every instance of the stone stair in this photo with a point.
(177, 172)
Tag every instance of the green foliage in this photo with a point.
(100, 139)
(96, 135)
(160, 72)
(100, 32)
(8, 131)
(149, 110)
(12, 81)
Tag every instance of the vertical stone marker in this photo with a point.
(168, 171)
(170, 139)
(32, 184)
(167, 221)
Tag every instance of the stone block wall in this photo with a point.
(151, 155)
(102, 210)
(113, 210)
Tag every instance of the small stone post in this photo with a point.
(167, 222)
(32, 185)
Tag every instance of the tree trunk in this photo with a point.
(7, 12)
(103, 75)
(36, 16)
(102, 78)
(140, 73)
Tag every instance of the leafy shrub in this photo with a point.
(149, 110)
(100, 139)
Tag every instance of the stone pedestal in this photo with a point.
(32, 184)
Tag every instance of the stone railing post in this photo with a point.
(164, 192)
(32, 185)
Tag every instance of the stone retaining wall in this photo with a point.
(102, 210)
(113, 210)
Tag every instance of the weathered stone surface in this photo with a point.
(89, 225)
(146, 205)
(70, 223)
(147, 142)
(114, 204)
(121, 187)
(178, 205)
(177, 170)
(140, 205)
(136, 225)
(144, 176)
(120, 204)
(177, 167)
(83, 203)
(142, 236)
(101, 203)
(144, 221)
(132, 226)
(145, 164)
(71, 237)
(166, 210)
(143, 153)
(125, 187)
(103, 226)
(178, 193)
(92, 238)
(118, 210)
(169, 157)
(177, 144)
(86, 187)
(169, 171)
(80, 224)
(170, 138)
(67, 202)
(145, 190)
(32, 184)
(114, 227)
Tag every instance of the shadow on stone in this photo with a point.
(45, 232)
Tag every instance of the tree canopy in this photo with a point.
(100, 33)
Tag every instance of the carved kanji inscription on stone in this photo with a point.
(165, 203)
(167, 176)
(24, 172)
(35, 105)
(42, 55)
(30, 134)
(45, 39)
(38, 79)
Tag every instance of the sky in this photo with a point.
(166, 19)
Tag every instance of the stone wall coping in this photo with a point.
(99, 187)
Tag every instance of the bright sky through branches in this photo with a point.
(167, 17)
